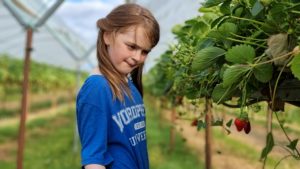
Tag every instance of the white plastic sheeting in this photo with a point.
(45, 47)
(168, 13)
(48, 49)
(53, 43)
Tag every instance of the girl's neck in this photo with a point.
(96, 71)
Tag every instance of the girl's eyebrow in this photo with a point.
(137, 46)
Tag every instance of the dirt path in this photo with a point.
(44, 113)
(36, 98)
(6, 149)
(222, 156)
(195, 140)
(257, 138)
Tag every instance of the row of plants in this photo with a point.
(35, 107)
(236, 53)
(43, 78)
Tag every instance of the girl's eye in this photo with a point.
(131, 47)
(145, 53)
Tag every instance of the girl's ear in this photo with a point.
(107, 38)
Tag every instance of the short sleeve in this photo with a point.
(93, 127)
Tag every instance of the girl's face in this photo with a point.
(127, 50)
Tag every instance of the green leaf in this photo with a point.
(192, 92)
(229, 123)
(211, 3)
(270, 27)
(206, 57)
(240, 54)
(227, 44)
(176, 29)
(233, 74)
(217, 21)
(209, 17)
(201, 124)
(269, 146)
(293, 144)
(263, 73)
(266, 2)
(225, 7)
(204, 10)
(204, 43)
(221, 93)
(296, 66)
(227, 28)
(257, 8)
(217, 123)
(199, 28)
(278, 12)
(238, 11)
(216, 35)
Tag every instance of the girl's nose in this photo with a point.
(137, 56)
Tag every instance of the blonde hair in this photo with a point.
(118, 20)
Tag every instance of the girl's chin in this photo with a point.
(125, 72)
(126, 69)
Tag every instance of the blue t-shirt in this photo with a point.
(112, 133)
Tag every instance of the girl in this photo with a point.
(109, 106)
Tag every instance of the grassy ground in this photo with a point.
(241, 148)
(49, 145)
(159, 150)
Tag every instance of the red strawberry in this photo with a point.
(239, 123)
(194, 122)
(247, 127)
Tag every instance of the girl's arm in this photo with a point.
(94, 166)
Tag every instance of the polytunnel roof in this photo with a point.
(72, 31)
(168, 13)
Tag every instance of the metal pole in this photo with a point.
(22, 127)
(76, 134)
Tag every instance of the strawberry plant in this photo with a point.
(237, 53)
(45, 78)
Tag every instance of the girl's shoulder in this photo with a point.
(95, 86)
(96, 78)
(95, 82)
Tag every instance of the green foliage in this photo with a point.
(293, 145)
(49, 144)
(263, 73)
(295, 66)
(221, 93)
(195, 67)
(241, 54)
(158, 134)
(269, 146)
(43, 77)
(234, 74)
(206, 57)
(233, 51)
(211, 3)
(257, 8)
